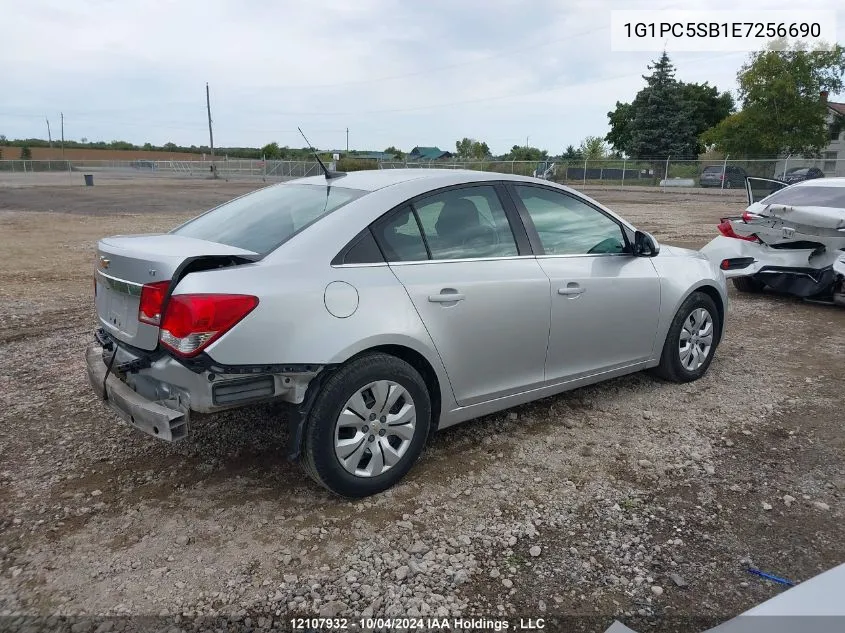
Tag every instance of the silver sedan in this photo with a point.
(384, 305)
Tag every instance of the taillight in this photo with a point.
(726, 228)
(152, 298)
(192, 322)
(748, 217)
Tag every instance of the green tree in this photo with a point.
(667, 116)
(570, 153)
(170, 147)
(620, 119)
(593, 148)
(520, 152)
(782, 111)
(26, 153)
(660, 124)
(271, 151)
(706, 107)
(469, 148)
(396, 153)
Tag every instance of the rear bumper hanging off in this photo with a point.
(148, 416)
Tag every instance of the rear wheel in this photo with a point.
(367, 427)
(691, 340)
(747, 284)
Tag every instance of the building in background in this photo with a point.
(428, 154)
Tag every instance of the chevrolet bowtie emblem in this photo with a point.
(104, 263)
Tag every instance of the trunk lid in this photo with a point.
(126, 262)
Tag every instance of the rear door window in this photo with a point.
(399, 237)
(466, 223)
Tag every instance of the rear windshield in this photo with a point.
(712, 168)
(263, 220)
(809, 197)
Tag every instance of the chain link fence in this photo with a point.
(237, 168)
(665, 173)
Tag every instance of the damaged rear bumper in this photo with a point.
(158, 394)
(169, 423)
(802, 272)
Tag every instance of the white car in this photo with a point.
(790, 239)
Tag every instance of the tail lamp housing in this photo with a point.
(152, 300)
(726, 228)
(192, 322)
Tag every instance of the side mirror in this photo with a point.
(645, 245)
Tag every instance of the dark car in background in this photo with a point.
(799, 174)
(713, 175)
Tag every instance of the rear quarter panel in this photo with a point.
(293, 325)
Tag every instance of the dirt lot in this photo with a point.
(635, 499)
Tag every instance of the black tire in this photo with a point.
(670, 367)
(318, 455)
(747, 284)
(728, 184)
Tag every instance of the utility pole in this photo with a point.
(210, 132)
(347, 140)
(63, 134)
(49, 137)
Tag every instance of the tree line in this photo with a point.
(782, 108)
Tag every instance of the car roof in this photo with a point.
(374, 179)
(821, 182)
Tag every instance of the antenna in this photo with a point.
(329, 174)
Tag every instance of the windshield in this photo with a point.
(712, 169)
(809, 197)
(261, 221)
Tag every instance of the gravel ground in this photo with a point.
(635, 499)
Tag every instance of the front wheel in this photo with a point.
(691, 340)
(367, 427)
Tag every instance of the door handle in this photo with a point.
(447, 295)
(572, 290)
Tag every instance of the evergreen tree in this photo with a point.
(661, 124)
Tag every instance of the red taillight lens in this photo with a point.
(152, 298)
(726, 228)
(748, 217)
(192, 322)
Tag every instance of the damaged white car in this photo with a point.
(790, 239)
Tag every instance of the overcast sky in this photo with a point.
(395, 72)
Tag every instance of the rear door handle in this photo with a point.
(571, 290)
(447, 295)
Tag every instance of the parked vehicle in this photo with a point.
(715, 175)
(797, 174)
(790, 239)
(385, 305)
